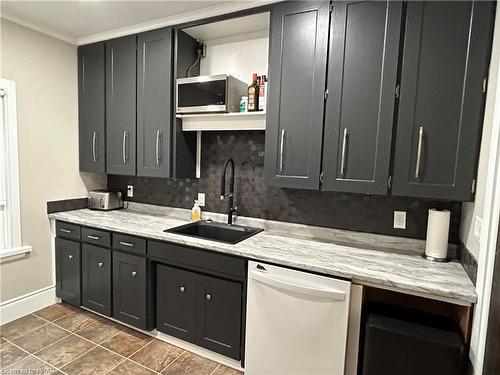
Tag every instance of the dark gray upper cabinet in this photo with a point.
(297, 68)
(130, 289)
(446, 55)
(68, 271)
(154, 103)
(96, 278)
(91, 107)
(362, 74)
(121, 105)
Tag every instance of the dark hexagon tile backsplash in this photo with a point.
(358, 212)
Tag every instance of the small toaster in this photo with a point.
(105, 200)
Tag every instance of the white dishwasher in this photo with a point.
(296, 322)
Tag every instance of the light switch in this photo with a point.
(201, 199)
(400, 219)
(478, 224)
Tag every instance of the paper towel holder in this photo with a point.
(434, 259)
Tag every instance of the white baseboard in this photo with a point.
(29, 303)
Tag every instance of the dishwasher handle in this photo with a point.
(280, 283)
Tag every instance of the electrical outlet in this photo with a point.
(130, 191)
(478, 223)
(400, 219)
(201, 199)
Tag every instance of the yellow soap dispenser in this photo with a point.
(196, 211)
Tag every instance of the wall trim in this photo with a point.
(177, 19)
(18, 307)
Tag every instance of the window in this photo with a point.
(10, 220)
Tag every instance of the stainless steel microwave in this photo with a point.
(207, 94)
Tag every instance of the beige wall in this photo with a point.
(45, 72)
(471, 210)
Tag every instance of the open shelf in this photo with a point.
(223, 121)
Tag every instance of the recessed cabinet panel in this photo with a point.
(175, 302)
(121, 105)
(297, 69)
(154, 103)
(68, 260)
(129, 289)
(219, 316)
(96, 278)
(362, 72)
(91, 107)
(446, 55)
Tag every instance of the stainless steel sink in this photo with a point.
(211, 230)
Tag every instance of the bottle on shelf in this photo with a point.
(253, 95)
(263, 93)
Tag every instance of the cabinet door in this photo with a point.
(362, 73)
(175, 302)
(218, 316)
(91, 107)
(129, 289)
(68, 271)
(446, 55)
(297, 68)
(96, 279)
(154, 103)
(121, 105)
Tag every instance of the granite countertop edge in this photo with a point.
(404, 272)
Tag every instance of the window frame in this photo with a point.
(13, 238)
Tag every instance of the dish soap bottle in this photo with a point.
(196, 212)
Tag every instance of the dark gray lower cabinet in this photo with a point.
(175, 306)
(201, 309)
(130, 289)
(96, 278)
(68, 260)
(218, 316)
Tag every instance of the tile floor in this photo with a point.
(61, 339)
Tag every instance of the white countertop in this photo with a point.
(369, 259)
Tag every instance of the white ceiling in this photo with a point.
(229, 28)
(87, 21)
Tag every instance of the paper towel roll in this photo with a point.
(438, 227)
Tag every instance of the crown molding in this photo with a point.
(177, 19)
(40, 29)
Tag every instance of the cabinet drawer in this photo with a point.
(68, 230)
(96, 237)
(198, 259)
(129, 243)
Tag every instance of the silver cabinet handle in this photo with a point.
(419, 151)
(100, 264)
(282, 149)
(124, 147)
(182, 289)
(65, 230)
(344, 148)
(70, 256)
(134, 274)
(209, 297)
(94, 155)
(92, 237)
(158, 135)
(126, 244)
